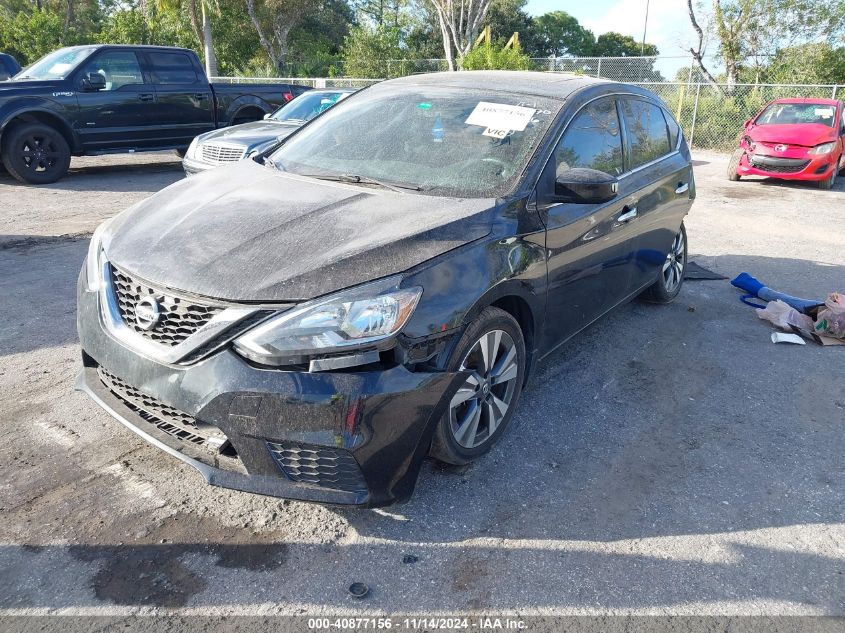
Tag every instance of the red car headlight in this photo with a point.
(748, 143)
(824, 148)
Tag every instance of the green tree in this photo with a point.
(613, 44)
(198, 11)
(494, 57)
(506, 17)
(373, 52)
(815, 63)
(558, 34)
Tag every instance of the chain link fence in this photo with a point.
(711, 115)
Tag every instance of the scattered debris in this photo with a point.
(783, 337)
(410, 559)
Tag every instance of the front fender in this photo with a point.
(53, 111)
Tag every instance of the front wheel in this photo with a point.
(671, 277)
(733, 164)
(828, 182)
(491, 354)
(36, 154)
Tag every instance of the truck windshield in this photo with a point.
(57, 65)
(444, 141)
(791, 113)
(307, 105)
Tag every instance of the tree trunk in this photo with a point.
(208, 44)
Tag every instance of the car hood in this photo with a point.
(12, 87)
(251, 134)
(248, 233)
(806, 134)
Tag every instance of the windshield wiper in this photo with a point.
(354, 179)
(269, 163)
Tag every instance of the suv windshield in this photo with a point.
(790, 113)
(57, 65)
(444, 141)
(308, 105)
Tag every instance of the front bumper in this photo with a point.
(193, 167)
(359, 437)
(794, 165)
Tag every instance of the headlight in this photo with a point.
(93, 262)
(824, 148)
(367, 317)
(192, 149)
(751, 145)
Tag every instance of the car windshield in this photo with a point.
(443, 141)
(308, 105)
(57, 65)
(791, 113)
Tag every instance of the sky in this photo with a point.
(668, 23)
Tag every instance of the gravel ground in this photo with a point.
(670, 460)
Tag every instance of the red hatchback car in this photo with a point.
(793, 139)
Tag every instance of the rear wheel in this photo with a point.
(491, 353)
(671, 278)
(35, 153)
(733, 175)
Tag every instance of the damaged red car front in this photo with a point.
(793, 139)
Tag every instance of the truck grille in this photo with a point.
(179, 317)
(166, 418)
(320, 465)
(219, 154)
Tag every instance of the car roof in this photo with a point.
(832, 102)
(338, 89)
(150, 47)
(540, 84)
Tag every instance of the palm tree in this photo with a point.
(198, 11)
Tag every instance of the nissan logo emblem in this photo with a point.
(147, 313)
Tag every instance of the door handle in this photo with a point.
(683, 187)
(200, 96)
(630, 214)
(145, 96)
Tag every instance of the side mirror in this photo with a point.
(94, 81)
(746, 123)
(585, 186)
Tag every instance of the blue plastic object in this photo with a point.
(755, 288)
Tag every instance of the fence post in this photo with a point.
(598, 69)
(694, 114)
(835, 86)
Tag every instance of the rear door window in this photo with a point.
(173, 68)
(647, 133)
(592, 140)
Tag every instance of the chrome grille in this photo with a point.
(166, 418)
(319, 465)
(219, 154)
(179, 317)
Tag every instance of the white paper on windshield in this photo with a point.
(824, 112)
(499, 116)
(59, 69)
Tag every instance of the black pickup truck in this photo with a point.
(100, 99)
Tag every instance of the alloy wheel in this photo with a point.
(481, 403)
(39, 152)
(673, 267)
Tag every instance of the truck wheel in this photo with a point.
(36, 153)
(733, 164)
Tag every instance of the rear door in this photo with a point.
(122, 114)
(588, 245)
(658, 182)
(185, 103)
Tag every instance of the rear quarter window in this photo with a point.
(674, 129)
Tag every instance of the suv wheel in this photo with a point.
(492, 352)
(35, 153)
(671, 278)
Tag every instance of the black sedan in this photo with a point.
(381, 289)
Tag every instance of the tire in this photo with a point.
(827, 183)
(733, 176)
(35, 153)
(479, 400)
(671, 277)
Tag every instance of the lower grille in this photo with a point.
(219, 154)
(166, 418)
(790, 168)
(319, 465)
